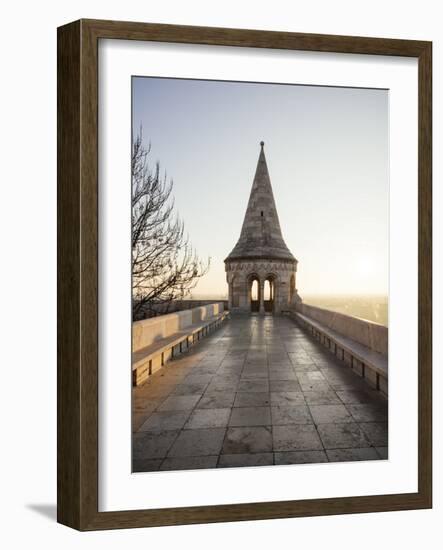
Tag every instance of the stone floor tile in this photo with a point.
(287, 374)
(318, 353)
(280, 365)
(146, 464)
(190, 389)
(298, 353)
(247, 440)
(296, 414)
(304, 368)
(216, 400)
(179, 402)
(232, 364)
(325, 362)
(348, 386)
(211, 362)
(155, 393)
(256, 365)
(301, 361)
(145, 405)
(152, 444)
(314, 385)
(165, 420)
(300, 437)
(383, 452)
(321, 398)
(324, 414)
(205, 371)
(236, 460)
(376, 432)
(255, 374)
(274, 359)
(230, 372)
(138, 420)
(226, 379)
(189, 462)
(342, 436)
(208, 418)
(253, 386)
(347, 455)
(349, 381)
(250, 416)
(354, 397)
(198, 442)
(252, 399)
(197, 378)
(368, 412)
(300, 457)
(312, 376)
(284, 385)
(223, 384)
(375, 395)
(286, 398)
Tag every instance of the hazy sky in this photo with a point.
(328, 159)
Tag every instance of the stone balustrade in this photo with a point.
(148, 331)
(369, 334)
(156, 340)
(361, 344)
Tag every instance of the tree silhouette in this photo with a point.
(165, 267)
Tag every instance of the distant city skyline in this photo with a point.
(327, 151)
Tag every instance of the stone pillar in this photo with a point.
(262, 296)
(274, 296)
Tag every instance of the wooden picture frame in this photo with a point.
(78, 274)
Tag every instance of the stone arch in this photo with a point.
(270, 285)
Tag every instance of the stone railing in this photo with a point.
(155, 341)
(361, 344)
(369, 334)
(148, 331)
(178, 305)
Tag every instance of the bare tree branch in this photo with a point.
(165, 267)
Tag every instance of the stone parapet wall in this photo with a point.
(192, 303)
(148, 331)
(367, 333)
(178, 305)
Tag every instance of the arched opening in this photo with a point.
(269, 294)
(254, 290)
(254, 293)
(267, 291)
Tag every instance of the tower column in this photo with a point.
(262, 296)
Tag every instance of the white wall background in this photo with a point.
(28, 273)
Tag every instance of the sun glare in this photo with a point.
(365, 266)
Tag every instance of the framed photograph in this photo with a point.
(244, 275)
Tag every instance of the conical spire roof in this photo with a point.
(260, 235)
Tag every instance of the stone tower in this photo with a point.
(261, 270)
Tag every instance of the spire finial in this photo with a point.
(262, 144)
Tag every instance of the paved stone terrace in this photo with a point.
(259, 391)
